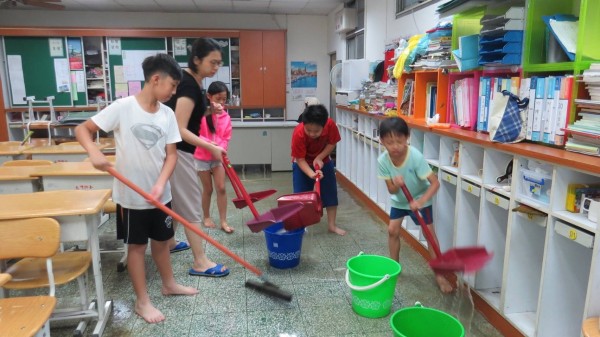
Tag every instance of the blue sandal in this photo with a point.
(181, 246)
(216, 271)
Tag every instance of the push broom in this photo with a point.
(265, 286)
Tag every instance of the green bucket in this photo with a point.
(372, 280)
(419, 321)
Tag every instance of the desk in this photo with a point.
(72, 176)
(60, 153)
(17, 183)
(78, 213)
(12, 152)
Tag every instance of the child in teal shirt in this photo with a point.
(402, 164)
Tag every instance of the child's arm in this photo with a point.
(324, 154)
(165, 173)
(84, 133)
(225, 137)
(303, 165)
(433, 188)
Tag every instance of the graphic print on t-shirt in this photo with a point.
(147, 134)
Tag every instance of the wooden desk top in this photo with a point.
(67, 169)
(11, 150)
(15, 177)
(590, 327)
(52, 203)
(60, 149)
(18, 171)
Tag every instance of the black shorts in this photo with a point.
(135, 226)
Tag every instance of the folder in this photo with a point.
(564, 28)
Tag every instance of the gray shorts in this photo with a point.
(185, 188)
(207, 165)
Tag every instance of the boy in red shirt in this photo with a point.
(312, 142)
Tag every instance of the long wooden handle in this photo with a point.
(183, 221)
(238, 182)
(426, 232)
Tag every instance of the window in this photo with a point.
(355, 40)
(405, 5)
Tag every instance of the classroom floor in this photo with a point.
(321, 304)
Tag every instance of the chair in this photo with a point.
(69, 143)
(590, 327)
(27, 162)
(36, 241)
(25, 316)
(31, 238)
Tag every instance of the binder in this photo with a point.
(564, 107)
(531, 107)
(540, 105)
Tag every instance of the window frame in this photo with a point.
(401, 11)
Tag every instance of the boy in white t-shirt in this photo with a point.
(402, 164)
(145, 135)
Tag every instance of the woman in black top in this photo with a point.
(189, 104)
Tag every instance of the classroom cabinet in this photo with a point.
(262, 143)
(262, 68)
(544, 276)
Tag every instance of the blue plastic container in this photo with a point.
(283, 246)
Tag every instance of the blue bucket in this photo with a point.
(283, 246)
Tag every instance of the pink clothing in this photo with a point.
(221, 137)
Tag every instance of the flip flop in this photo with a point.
(216, 271)
(181, 246)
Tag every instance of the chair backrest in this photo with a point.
(69, 143)
(27, 162)
(40, 141)
(38, 237)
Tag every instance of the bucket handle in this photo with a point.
(365, 288)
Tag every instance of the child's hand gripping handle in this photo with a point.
(318, 189)
(426, 232)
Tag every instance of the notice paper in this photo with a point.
(16, 79)
(61, 72)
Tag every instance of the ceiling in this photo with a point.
(305, 7)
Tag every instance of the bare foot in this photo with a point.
(337, 231)
(444, 284)
(225, 227)
(208, 223)
(178, 289)
(149, 313)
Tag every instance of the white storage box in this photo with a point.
(536, 185)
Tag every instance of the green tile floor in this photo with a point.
(321, 304)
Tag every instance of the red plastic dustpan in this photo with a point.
(260, 222)
(240, 201)
(312, 207)
(464, 259)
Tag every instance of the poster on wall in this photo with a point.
(75, 55)
(56, 47)
(179, 47)
(303, 75)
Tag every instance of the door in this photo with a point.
(274, 66)
(251, 73)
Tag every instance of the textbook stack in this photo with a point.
(585, 132)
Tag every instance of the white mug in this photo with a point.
(592, 207)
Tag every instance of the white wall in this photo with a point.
(375, 29)
(336, 42)
(307, 41)
(306, 34)
(417, 22)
